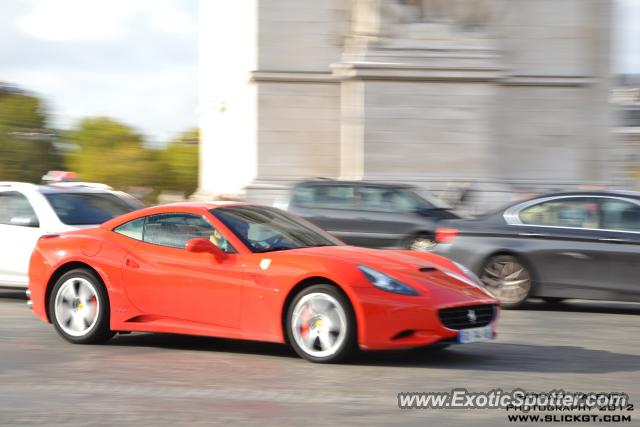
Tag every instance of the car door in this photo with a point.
(163, 279)
(620, 271)
(561, 238)
(389, 217)
(20, 230)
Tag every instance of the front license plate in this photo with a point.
(475, 334)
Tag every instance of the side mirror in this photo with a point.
(25, 221)
(200, 245)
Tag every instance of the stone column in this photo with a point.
(227, 97)
(418, 91)
(553, 118)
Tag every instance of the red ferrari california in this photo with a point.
(244, 271)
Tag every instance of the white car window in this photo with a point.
(15, 209)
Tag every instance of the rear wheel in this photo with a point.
(422, 242)
(79, 308)
(321, 325)
(507, 278)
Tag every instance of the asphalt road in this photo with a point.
(157, 379)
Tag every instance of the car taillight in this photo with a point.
(446, 235)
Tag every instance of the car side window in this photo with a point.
(571, 213)
(376, 199)
(15, 209)
(132, 229)
(386, 199)
(620, 215)
(303, 196)
(325, 196)
(176, 229)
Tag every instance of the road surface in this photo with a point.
(158, 379)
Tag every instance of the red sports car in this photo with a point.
(244, 271)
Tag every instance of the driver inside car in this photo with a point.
(218, 239)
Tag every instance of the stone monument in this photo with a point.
(511, 93)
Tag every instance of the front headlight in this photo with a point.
(386, 282)
(469, 273)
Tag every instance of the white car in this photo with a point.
(28, 211)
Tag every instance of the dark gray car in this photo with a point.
(570, 245)
(370, 214)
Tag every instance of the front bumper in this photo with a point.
(388, 321)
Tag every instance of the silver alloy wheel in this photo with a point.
(77, 306)
(319, 324)
(422, 243)
(507, 279)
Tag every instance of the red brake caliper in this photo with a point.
(304, 326)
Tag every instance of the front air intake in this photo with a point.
(474, 316)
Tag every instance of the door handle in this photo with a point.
(612, 240)
(531, 234)
(131, 263)
(576, 255)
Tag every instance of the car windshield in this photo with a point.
(265, 229)
(88, 208)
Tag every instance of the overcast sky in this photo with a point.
(136, 60)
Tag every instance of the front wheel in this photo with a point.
(321, 325)
(79, 308)
(422, 242)
(507, 278)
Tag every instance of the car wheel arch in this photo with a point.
(311, 281)
(61, 270)
(422, 232)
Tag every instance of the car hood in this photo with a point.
(422, 270)
(383, 258)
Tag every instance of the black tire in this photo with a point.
(99, 332)
(495, 280)
(422, 242)
(349, 344)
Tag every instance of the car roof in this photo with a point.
(186, 207)
(586, 193)
(581, 193)
(328, 182)
(209, 204)
(51, 189)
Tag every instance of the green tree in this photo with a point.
(104, 150)
(179, 163)
(27, 150)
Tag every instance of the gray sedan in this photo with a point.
(569, 245)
